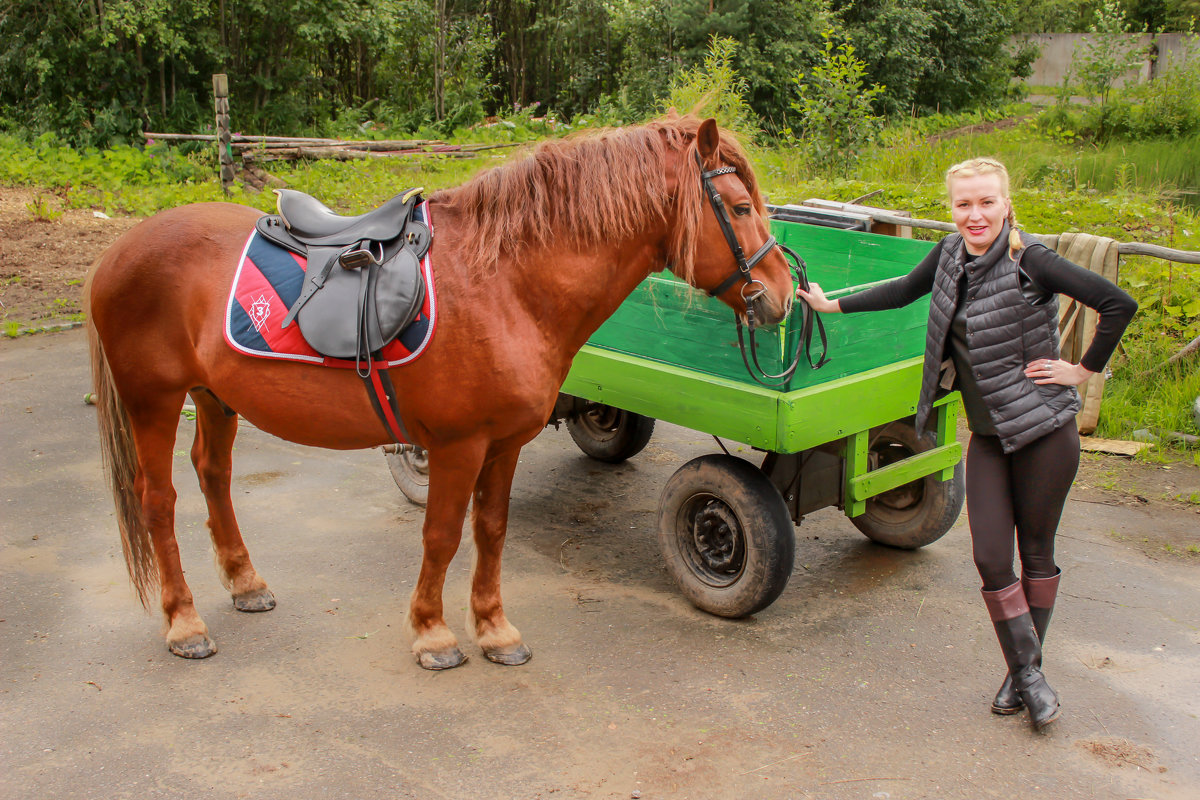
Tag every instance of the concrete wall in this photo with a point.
(1058, 50)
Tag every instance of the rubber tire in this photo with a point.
(765, 531)
(410, 470)
(920, 512)
(610, 434)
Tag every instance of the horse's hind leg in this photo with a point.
(496, 636)
(212, 456)
(154, 426)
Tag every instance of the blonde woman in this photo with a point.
(993, 335)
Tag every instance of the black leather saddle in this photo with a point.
(363, 283)
(309, 220)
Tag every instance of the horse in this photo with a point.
(530, 258)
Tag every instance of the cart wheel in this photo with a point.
(410, 470)
(610, 434)
(726, 535)
(917, 513)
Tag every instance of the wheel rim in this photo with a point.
(415, 464)
(903, 499)
(601, 422)
(712, 541)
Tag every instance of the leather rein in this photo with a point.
(742, 273)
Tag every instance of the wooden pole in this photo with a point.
(224, 152)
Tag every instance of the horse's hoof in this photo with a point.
(512, 656)
(193, 647)
(441, 659)
(258, 600)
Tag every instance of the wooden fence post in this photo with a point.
(224, 150)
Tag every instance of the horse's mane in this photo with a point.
(595, 187)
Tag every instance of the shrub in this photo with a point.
(835, 116)
(715, 89)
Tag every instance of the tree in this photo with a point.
(836, 119)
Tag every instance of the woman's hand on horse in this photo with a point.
(1045, 370)
(817, 300)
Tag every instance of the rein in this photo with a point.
(743, 274)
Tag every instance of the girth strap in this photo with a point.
(382, 392)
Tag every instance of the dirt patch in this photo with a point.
(45, 252)
(1171, 487)
(1116, 752)
(978, 128)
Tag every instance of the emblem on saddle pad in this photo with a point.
(363, 283)
(260, 309)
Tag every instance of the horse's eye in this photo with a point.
(742, 210)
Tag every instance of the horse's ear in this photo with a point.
(671, 114)
(708, 139)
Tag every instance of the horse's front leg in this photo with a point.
(452, 473)
(212, 456)
(498, 639)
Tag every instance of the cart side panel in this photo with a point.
(666, 321)
(812, 416)
(706, 403)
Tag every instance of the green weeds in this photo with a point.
(41, 209)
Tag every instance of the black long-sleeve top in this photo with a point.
(1047, 270)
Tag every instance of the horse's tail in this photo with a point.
(120, 463)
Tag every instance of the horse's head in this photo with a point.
(722, 221)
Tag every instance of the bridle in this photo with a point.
(742, 273)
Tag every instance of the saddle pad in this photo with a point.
(268, 281)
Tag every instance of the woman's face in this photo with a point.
(978, 208)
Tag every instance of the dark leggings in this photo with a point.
(1023, 491)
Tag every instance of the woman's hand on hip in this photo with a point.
(817, 300)
(1045, 370)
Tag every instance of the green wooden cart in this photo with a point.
(842, 435)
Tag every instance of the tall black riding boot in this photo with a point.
(1040, 594)
(1022, 652)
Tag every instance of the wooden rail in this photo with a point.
(1123, 248)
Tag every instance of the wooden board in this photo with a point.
(1093, 444)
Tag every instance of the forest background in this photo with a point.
(97, 72)
(837, 98)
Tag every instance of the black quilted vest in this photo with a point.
(1004, 333)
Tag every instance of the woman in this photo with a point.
(993, 335)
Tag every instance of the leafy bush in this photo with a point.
(835, 117)
(1170, 105)
(715, 89)
(1107, 55)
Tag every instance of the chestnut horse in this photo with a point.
(530, 258)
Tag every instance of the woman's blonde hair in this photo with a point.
(989, 166)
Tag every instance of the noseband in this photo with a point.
(742, 273)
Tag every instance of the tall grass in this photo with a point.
(1160, 167)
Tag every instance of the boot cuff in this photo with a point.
(1040, 592)
(1006, 603)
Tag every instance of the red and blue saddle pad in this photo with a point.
(268, 281)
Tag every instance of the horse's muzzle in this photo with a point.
(767, 309)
